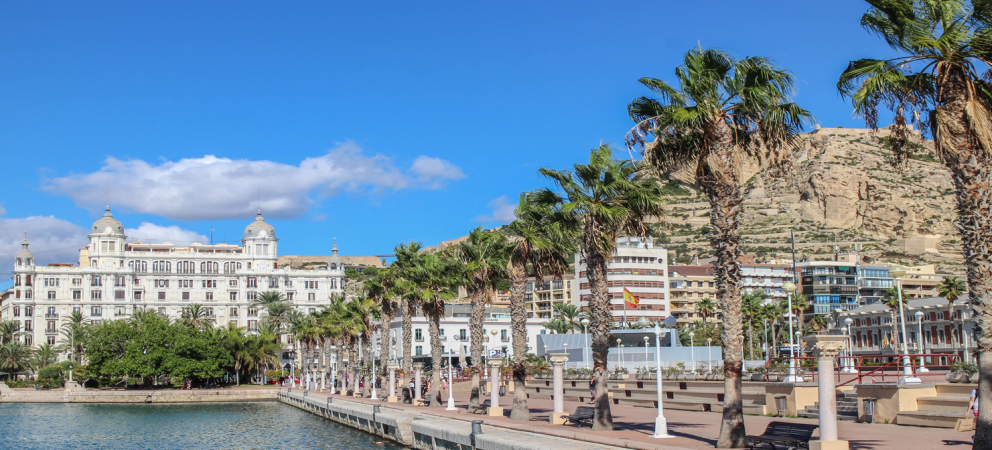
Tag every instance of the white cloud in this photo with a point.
(223, 188)
(502, 211)
(52, 240)
(434, 172)
(149, 232)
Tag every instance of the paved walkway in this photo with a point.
(692, 429)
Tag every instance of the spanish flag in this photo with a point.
(630, 299)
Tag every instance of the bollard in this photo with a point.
(780, 405)
(328, 401)
(290, 390)
(375, 409)
(476, 429)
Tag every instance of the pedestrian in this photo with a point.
(592, 389)
(973, 409)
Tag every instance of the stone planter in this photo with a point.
(707, 377)
(691, 377)
(774, 378)
(973, 378)
(719, 377)
(955, 377)
(757, 377)
(807, 378)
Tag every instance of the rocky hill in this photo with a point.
(839, 193)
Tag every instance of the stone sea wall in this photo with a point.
(135, 396)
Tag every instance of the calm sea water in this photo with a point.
(262, 425)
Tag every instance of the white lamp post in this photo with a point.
(897, 272)
(849, 368)
(620, 353)
(790, 287)
(709, 353)
(585, 349)
(692, 349)
(919, 323)
(451, 385)
(372, 378)
(660, 423)
(647, 343)
(334, 360)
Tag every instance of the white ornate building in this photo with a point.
(114, 277)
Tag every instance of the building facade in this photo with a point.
(642, 269)
(540, 296)
(115, 277)
(688, 285)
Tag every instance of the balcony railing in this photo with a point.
(51, 316)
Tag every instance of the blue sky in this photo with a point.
(372, 122)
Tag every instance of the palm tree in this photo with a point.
(9, 329)
(435, 278)
(380, 288)
(772, 312)
(43, 356)
(952, 288)
(407, 257)
(751, 303)
(75, 334)
(267, 298)
(237, 345)
(197, 316)
(939, 82)
(559, 326)
(891, 299)
(607, 199)
(706, 308)
(542, 236)
(14, 357)
(722, 113)
(799, 306)
(484, 257)
(570, 314)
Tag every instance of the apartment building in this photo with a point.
(687, 285)
(540, 296)
(642, 269)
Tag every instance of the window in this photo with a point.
(289, 283)
(185, 295)
(77, 281)
(252, 282)
(233, 296)
(418, 335)
(161, 295)
(28, 326)
(96, 295)
(76, 309)
(252, 295)
(503, 337)
(419, 350)
(209, 295)
(290, 295)
(311, 297)
(51, 295)
(17, 311)
(119, 295)
(96, 311)
(120, 311)
(310, 284)
(28, 340)
(234, 311)
(51, 340)
(209, 283)
(252, 312)
(232, 283)
(120, 281)
(96, 281)
(252, 325)
(162, 311)
(137, 295)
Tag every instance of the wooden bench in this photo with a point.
(482, 409)
(581, 414)
(784, 435)
(420, 402)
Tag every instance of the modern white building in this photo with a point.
(638, 266)
(115, 277)
(456, 335)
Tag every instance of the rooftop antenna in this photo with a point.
(211, 235)
(260, 201)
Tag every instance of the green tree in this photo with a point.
(484, 257)
(722, 113)
(407, 257)
(435, 278)
(9, 329)
(800, 303)
(542, 238)
(74, 334)
(706, 308)
(569, 313)
(43, 356)
(558, 326)
(751, 303)
(608, 199)
(951, 288)
(197, 316)
(15, 357)
(940, 82)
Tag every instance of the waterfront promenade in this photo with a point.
(693, 430)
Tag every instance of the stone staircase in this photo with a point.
(681, 395)
(847, 407)
(942, 410)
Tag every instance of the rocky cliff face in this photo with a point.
(840, 188)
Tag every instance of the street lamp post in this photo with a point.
(660, 423)
(692, 349)
(919, 338)
(850, 345)
(334, 372)
(647, 343)
(372, 378)
(585, 349)
(451, 381)
(790, 287)
(709, 353)
(897, 272)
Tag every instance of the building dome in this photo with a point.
(24, 257)
(108, 224)
(335, 262)
(259, 229)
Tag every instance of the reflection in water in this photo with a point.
(179, 425)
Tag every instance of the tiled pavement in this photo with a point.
(692, 429)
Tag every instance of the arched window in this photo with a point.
(18, 261)
(29, 261)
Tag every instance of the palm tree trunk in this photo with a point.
(518, 323)
(434, 327)
(366, 370)
(726, 204)
(971, 170)
(385, 340)
(478, 295)
(601, 317)
(408, 312)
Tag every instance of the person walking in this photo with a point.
(592, 389)
(973, 409)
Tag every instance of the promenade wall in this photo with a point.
(424, 431)
(136, 396)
